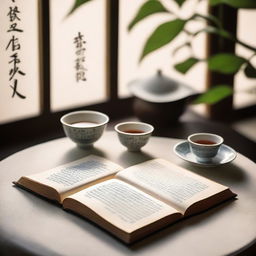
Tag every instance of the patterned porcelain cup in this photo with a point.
(84, 127)
(205, 145)
(134, 135)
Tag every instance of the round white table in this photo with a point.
(30, 225)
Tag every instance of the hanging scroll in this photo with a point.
(78, 53)
(19, 54)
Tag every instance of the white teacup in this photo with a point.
(134, 135)
(84, 127)
(205, 145)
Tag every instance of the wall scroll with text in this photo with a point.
(78, 53)
(19, 54)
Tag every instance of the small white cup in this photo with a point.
(134, 135)
(84, 127)
(205, 145)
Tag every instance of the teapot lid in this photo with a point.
(160, 89)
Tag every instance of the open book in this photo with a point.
(129, 203)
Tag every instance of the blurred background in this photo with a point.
(63, 55)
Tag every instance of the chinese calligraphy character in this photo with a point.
(14, 87)
(15, 60)
(78, 41)
(14, 43)
(13, 14)
(13, 28)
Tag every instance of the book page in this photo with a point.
(122, 205)
(170, 183)
(75, 174)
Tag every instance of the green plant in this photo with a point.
(165, 33)
(77, 4)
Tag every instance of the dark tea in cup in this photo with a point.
(205, 142)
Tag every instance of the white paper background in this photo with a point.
(131, 45)
(90, 21)
(243, 85)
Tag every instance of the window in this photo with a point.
(131, 45)
(87, 58)
(245, 88)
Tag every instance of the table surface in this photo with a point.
(34, 226)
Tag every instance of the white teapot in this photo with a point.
(160, 99)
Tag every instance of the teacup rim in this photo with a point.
(84, 111)
(206, 145)
(134, 134)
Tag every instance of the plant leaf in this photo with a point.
(225, 63)
(148, 8)
(77, 4)
(249, 4)
(216, 31)
(186, 44)
(214, 95)
(210, 18)
(184, 66)
(162, 35)
(250, 71)
(180, 2)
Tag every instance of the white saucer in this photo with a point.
(225, 155)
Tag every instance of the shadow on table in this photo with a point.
(226, 174)
(77, 153)
(129, 158)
